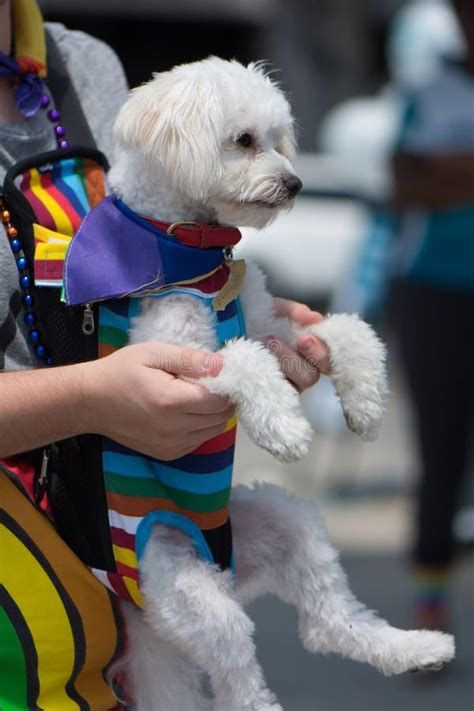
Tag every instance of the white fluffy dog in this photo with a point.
(213, 142)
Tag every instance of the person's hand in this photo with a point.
(304, 365)
(134, 397)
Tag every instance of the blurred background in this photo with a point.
(402, 509)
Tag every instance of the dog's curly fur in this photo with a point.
(181, 158)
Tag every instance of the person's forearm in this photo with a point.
(41, 406)
(431, 193)
(436, 183)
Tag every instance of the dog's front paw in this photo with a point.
(286, 437)
(268, 407)
(358, 371)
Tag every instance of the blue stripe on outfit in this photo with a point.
(197, 463)
(176, 520)
(229, 311)
(204, 463)
(140, 468)
(121, 307)
(114, 319)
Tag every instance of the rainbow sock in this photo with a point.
(431, 596)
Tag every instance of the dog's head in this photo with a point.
(222, 136)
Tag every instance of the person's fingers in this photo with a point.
(195, 439)
(299, 370)
(179, 360)
(315, 351)
(299, 313)
(196, 423)
(196, 399)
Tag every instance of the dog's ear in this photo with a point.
(175, 121)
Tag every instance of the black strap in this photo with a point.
(65, 97)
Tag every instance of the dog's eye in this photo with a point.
(245, 140)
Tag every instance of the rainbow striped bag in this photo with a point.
(48, 196)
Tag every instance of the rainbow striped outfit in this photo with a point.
(190, 493)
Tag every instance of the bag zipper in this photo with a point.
(88, 322)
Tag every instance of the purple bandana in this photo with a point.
(116, 253)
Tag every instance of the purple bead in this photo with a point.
(34, 335)
(15, 244)
(45, 101)
(54, 115)
(63, 144)
(59, 131)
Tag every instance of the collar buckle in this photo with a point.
(172, 227)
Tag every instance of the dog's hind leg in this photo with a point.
(189, 604)
(281, 547)
(161, 678)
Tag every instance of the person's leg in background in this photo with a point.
(436, 337)
(59, 629)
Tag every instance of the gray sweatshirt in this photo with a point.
(100, 83)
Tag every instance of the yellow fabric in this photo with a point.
(125, 556)
(68, 613)
(135, 593)
(45, 235)
(28, 32)
(50, 630)
(50, 245)
(231, 424)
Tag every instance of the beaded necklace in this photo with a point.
(28, 300)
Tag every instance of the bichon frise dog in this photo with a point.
(212, 142)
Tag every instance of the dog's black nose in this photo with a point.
(293, 184)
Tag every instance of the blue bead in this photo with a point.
(48, 360)
(28, 300)
(15, 244)
(30, 318)
(25, 281)
(40, 351)
(22, 263)
(34, 335)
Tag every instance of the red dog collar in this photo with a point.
(201, 236)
